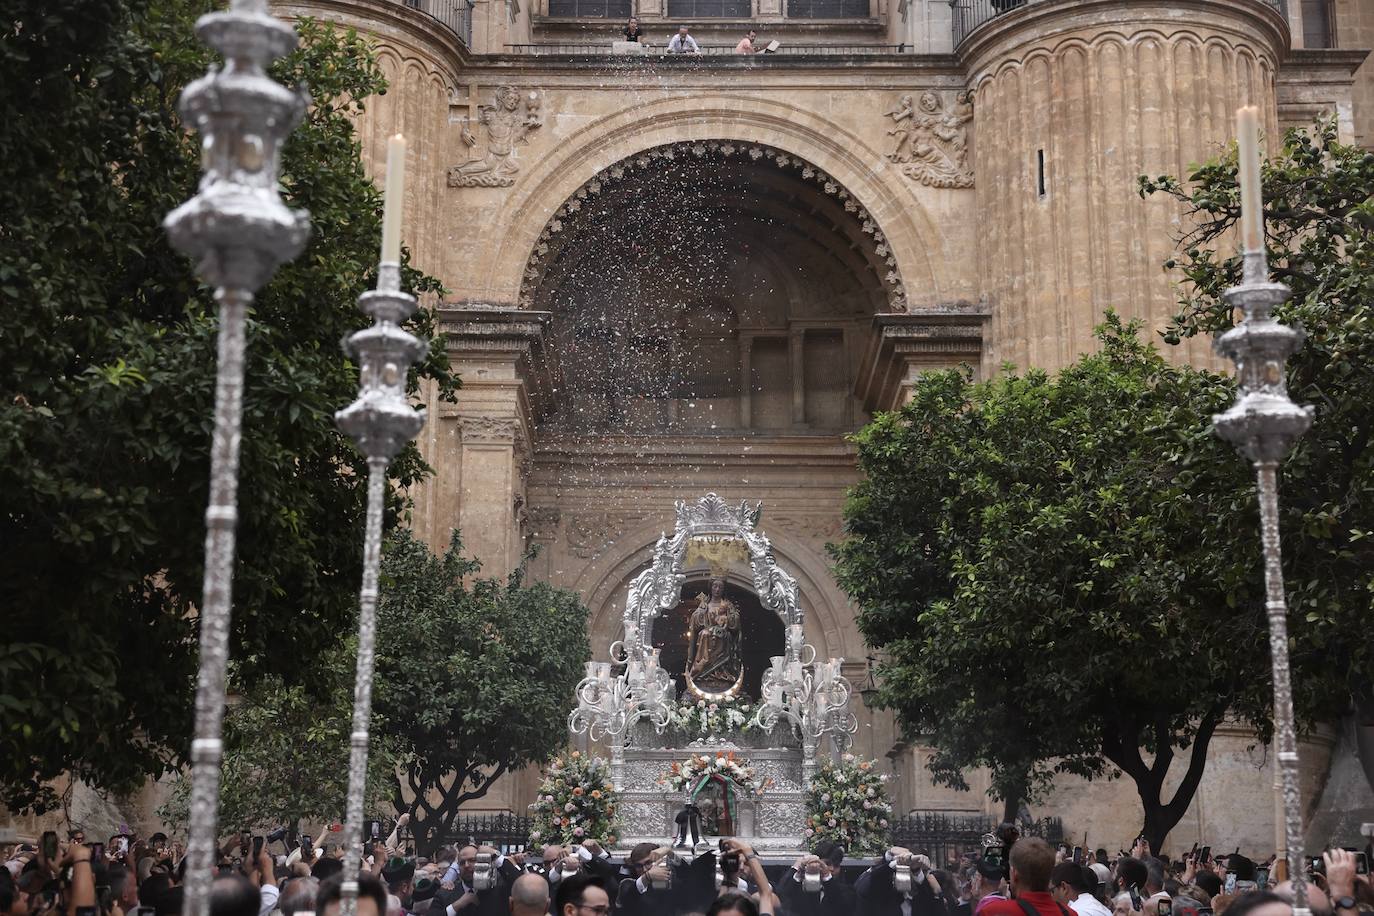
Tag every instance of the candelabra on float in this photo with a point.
(381, 421)
(1263, 424)
(238, 231)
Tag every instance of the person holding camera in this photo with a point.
(814, 886)
(985, 884)
(1032, 863)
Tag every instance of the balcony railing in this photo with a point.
(455, 15)
(968, 15)
(585, 49)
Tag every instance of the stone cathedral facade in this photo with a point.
(673, 275)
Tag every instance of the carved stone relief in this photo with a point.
(811, 527)
(544, 522)
(488, 429)
(504, 124)
(930, 142)
(591, 532)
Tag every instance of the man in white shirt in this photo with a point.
(683, 43)
(1071, 886)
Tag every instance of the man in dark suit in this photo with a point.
(463, 898)
(813, 886)
(878, 895)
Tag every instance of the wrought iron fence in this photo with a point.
(455, 15)
(506, 832)
(944, 837)
(968, 15)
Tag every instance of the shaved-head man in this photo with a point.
(529, 896)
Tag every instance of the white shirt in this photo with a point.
(268, 895)
(1088, 905)
(683, 44)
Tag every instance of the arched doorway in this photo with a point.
(710, 287)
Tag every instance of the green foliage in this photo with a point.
(106, 384)
(474, 676)
(1319, 221)
(576, 802)
(1064, 573)
(286, 755)
(847, 802)
(1061, 571)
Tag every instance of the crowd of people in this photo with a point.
(260, 876)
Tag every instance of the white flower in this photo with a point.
(570, 807)
(867, 804)
(825, 798)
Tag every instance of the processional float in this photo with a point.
(803, 701)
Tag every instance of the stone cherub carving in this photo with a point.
(930, 143)
(507, 123)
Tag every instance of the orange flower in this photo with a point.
(596, 793)
(577, 790)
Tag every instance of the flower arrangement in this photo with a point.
(700, 718)
(688, 777)
(847, 802)
(576, 802)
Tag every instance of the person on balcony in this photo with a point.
(632, 31)
(746, 44)
(683, 43)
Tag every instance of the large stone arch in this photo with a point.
(859, 170)
(829, 620)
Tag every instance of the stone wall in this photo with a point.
(1074, 100)
(1355, 30)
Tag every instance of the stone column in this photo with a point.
(481, 446)
(796, 341)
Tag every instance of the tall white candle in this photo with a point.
(394, 200)
(1251, 198)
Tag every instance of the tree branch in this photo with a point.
(1197, 762)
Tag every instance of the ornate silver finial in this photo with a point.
(1263, 424)
(238, 232)
(381, 421)
(236, 227)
